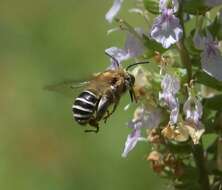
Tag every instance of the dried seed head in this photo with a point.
(168, 132)
(156, 160)
(154, 136)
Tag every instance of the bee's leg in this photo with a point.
(93, 123)
(106, 116)
(103, 105)
(132, 95)
(113, 110)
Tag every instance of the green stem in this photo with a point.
(184, 55)
(130, 29)
(198, 155)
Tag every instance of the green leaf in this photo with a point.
(208, 140)
(204, 78)
(214, 103)
(179, 148)
(152, 46)
(190, 46)
(195, 7)
(215, 28)
(189, 180)
(152, 6)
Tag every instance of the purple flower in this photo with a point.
(211, 59)
(134, 45)
(114, 10)
(132, 139)
(198, 41)
(166, 29)
(193, 110)
(133, 48)
(213, 3)
(143, 118)
(118, 53)
(170, 86)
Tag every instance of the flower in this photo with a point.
(211, 59)
(134, 45)
(170, 86)
(143, 118)
(166, 29)
(132, 139)
(178, 133)
(133, 48)
(194, 132)
(193, 110)
(213, 3)
(114, 10)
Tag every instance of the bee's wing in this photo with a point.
(67, 87)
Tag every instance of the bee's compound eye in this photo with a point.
(130, 80)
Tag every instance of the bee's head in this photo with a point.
(130, 80)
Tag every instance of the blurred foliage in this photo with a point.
(43, 42)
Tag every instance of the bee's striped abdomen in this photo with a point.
(84, 107)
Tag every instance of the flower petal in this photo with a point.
(170, 84)
(193, 110)
(131, 141)
(195, 133)
(198, 41)
(119, 55)
(133, 45)
(175, 112)
(211, 59)
(114, 10)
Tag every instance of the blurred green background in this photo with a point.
(42, 42)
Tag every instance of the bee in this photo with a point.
(103, 91)
(100, 93)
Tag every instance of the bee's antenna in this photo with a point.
(116, 62)
(134, 64)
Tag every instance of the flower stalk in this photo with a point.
(198, 155)
(184, 55)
